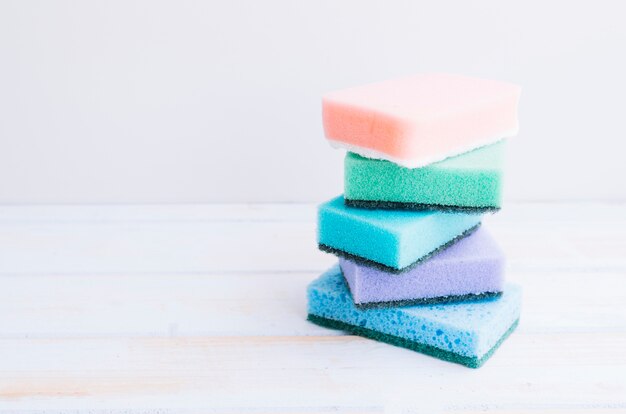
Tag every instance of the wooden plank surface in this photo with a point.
(202, 309)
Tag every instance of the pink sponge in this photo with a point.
(421, 119)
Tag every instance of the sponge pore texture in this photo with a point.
(466, 333)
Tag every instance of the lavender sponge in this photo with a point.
(471, 269)
(465, 333)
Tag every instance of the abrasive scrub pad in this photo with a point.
(471, 269)
(470, 182)
(421, 119)
(392, 240)
(465, 333)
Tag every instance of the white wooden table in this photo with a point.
(202, 309)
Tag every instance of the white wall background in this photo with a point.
(202, 101)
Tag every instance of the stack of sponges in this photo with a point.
(415, 270)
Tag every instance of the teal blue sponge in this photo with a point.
(465, 333)
(467, 182)
(391, 240)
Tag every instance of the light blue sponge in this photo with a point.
(392, 240)
(465, 333)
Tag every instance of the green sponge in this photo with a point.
(468, 182)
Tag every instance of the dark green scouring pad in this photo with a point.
(470, 297)
(399, 205)
(471, 362)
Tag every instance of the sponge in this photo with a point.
(470, 182)
(421, 119)
(391, 240)
(471, 269)
(465, 333)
